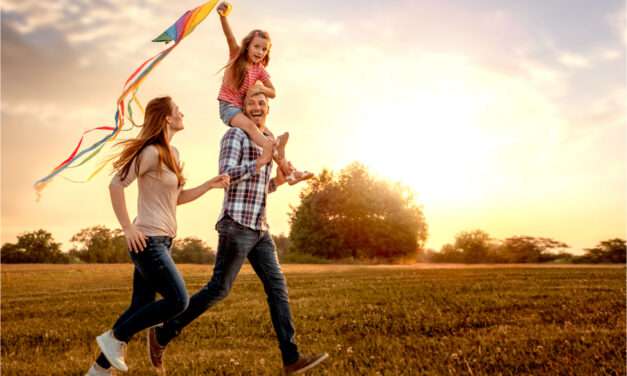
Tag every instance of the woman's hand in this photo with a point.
(189, 195)
(135, 239)
(220, 181)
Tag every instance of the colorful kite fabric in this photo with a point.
(177, 32)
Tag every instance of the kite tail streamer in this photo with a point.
(129, 108)
(179, 30)
(41, 183)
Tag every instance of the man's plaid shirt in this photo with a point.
(245, 198)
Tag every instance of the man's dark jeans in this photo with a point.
(236, 242)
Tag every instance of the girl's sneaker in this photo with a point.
(298, 176)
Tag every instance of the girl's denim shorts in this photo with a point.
(228, 111)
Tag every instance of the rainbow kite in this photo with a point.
(179, 30)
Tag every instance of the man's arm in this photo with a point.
(230, 156)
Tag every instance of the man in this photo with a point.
(243, 233)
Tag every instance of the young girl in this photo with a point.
(244, 75)
(151, 160)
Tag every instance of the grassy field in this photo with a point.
(372, 320)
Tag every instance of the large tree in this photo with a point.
(356, 215)
(34, 247)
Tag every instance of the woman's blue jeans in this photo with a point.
(155, 272)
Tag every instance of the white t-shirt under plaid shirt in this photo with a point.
(245, 198)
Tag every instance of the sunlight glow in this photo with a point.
(453, 134)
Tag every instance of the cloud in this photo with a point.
(90, 35)
(49, 114)
(53, 72)
(609, 54)
(573, 60)
(111, 29)
(606, 112)
(618, 21)
(27, 16)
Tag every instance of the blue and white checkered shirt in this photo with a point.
(245, 199)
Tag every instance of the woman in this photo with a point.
(151, 160)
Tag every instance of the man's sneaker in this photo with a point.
(304, 363)
(113, 350)
(96, 370)
(155, 350)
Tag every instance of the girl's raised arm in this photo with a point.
(228, 33)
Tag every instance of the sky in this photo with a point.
(504, 116)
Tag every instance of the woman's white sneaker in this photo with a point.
(113, 349)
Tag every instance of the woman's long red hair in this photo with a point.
(153, 132)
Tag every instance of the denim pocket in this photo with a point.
(150, 260)
(158, 241)
(226, 226)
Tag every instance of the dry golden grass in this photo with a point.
(387, 320)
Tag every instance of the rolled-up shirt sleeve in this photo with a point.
(230, 156)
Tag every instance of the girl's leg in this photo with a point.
(279, 157)
(143, 293)
(242, 122)
(296, 176)
(292, 175)
(279, 152)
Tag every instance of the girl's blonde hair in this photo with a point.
(238, 63)
(153, 132)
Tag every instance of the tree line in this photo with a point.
(96, 244)
(99, 244)
(349, 216)
(478, 247)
